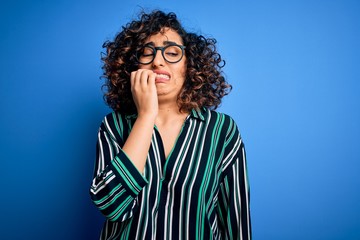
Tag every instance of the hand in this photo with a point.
(144, 92)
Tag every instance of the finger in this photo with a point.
(151, 79)
(132, 79)
(144, 79)
(136, 78)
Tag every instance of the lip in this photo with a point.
(160, 79)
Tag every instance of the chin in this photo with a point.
(161, 93)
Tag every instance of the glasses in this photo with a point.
(172, 53)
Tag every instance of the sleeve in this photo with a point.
(116, 182)
(234, 194)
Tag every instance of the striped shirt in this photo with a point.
(201, 191)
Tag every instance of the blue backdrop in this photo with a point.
(294, 66)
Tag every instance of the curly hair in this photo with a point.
(204, 86)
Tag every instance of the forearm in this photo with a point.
(116, 182)
(137, 144)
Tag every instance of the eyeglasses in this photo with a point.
(172, 53)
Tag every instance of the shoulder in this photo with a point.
(116, 125)
(223, 117)
(224, 122)
(110, 118)
(217, 114)
(115, 120)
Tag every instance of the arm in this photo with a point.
(117, 182)
(145, 97)
(118, 171)
(234, 195)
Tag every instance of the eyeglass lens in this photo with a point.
(171, 53)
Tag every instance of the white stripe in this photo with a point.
(227, 161)
(237, 197)
(101, 162)
(97, 190)
(246, 190)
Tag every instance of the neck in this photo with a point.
(168, 113)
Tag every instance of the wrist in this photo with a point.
(146, 118)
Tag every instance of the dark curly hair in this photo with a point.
(204, 86)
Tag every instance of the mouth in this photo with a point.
(161, 76)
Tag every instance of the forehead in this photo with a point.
(166, 35)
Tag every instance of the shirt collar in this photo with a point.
(198, 113)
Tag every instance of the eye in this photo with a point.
(146, 52)
(173, 51)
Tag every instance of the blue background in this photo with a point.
(294, 66)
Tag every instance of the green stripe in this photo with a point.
(112, 201)
(98, 202)
(116, 211)
(120, 167)
(118, 128)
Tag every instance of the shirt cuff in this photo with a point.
(128, 174)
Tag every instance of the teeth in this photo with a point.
(163, 76)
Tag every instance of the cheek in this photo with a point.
(182, 71)
(180, 78)
(144, 66)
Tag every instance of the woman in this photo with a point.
(168, 166)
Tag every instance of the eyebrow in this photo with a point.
(164, 42)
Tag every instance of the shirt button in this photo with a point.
(101, 175)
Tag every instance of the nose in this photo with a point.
(158, 59)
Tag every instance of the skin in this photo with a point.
(155, 88)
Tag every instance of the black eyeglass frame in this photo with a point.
(155, 49)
